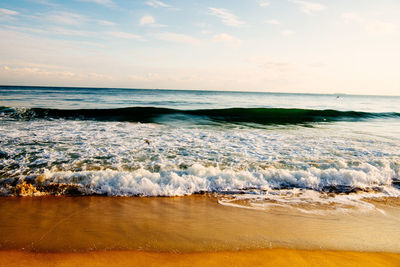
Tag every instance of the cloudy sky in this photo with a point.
(321, 46)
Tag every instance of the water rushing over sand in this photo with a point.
(185, 224)
(251, 148)
(287, 164)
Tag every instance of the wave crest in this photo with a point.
(151, 114)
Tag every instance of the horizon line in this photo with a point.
(198, 90)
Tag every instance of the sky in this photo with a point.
(316, 46)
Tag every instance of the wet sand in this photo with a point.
(192, 230)
(266, 257)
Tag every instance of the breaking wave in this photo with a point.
(152, 114)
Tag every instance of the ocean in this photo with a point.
(252, 150)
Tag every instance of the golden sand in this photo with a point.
(196, 230)
(184, 224)
(266, 257)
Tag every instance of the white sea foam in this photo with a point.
(309, 201)
(252, 189)
(198, 178)
(114, 158)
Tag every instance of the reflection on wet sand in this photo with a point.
(183, 224)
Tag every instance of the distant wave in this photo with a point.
(151, 114)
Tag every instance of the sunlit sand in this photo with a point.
(183, 230)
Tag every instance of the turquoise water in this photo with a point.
(102, 98)
(269, 146)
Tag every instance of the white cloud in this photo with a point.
(50, 31)
(45, 2)
(49, 74)
(35, 70)
(226, 38)
(308, 7)
(273, 22)
(126, 35)
(150, 21)
(287, 32)
(66, 18)
(70, 19)
(147, 20)
(155, 4)
(178, 38)
(26, 29)
(7, 14)
(64, 31)
(225, 16)
(264, 3)
(108, 3)
(106, 23)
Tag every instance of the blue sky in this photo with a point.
(316, 46)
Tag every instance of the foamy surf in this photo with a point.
(198, 178)
(304, 154)
(311, 191)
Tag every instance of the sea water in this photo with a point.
(253, 150)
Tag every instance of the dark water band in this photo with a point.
(150, 114)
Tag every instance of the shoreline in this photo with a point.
(265, 257)
(191, 224)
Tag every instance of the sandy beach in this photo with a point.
(266, 257)
(195, 230)
(199, 133)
